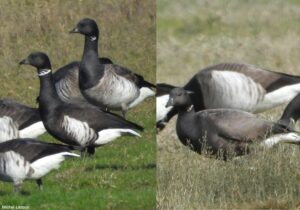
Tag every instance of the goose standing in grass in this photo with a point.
(66, 81)
(77, 124)
(19, 121)
(110, 86)
(226, 131)
(23, 159)
(240, 86)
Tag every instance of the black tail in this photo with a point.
(105, 60)
(143, 83)
(163, 89)
(72, 147)
(135, 126)
(147, 84)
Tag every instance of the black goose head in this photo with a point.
(87, 27)
(180, 98)
(39, 60)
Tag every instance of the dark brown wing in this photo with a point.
(96, 118)
(240, 126)
(33, 150)
(136, 78)
(20, 113)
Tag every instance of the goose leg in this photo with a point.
(124, 114)
(17, 187)
(40, 184)
(91, 150)
(83, 152)
(124, 109)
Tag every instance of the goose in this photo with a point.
(240, 86)
(30, 159)
(19, 121)
(226, 131)
(76, 124)
(162, 97)
(66, 81)
(110, 86)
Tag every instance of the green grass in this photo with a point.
(193, 34)
(120, 175)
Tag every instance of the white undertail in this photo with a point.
(293, 138)
(278, 97)
(109, 135)
(46, 164)
(33, 131)
(145, 92)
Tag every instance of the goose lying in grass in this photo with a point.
(227, 132)
(110, 86)
(19, 121)
(239, 86)
(29, 159)
(78, 124)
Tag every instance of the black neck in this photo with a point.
(91, 44)
(48, 95)
(292, 111)
(90, 68)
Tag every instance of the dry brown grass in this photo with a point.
(192, 35)
(125, 36)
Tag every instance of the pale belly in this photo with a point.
(115, 95)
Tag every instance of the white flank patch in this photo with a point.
(8, 129)
(161, 110)
(278, 97)
(13, 167)
(227, 89)
(114, 91)
(144, 93)
(109, 135)
(33, 130)
(46, 164)
(284, 138)
(80, 131)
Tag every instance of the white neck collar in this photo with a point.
(93, 38)
(44, 72)
(190, 108)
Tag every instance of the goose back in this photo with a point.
(269, 80)
(32, 149)
(21, 114)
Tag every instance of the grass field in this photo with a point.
(121, 175)
(193, 34)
